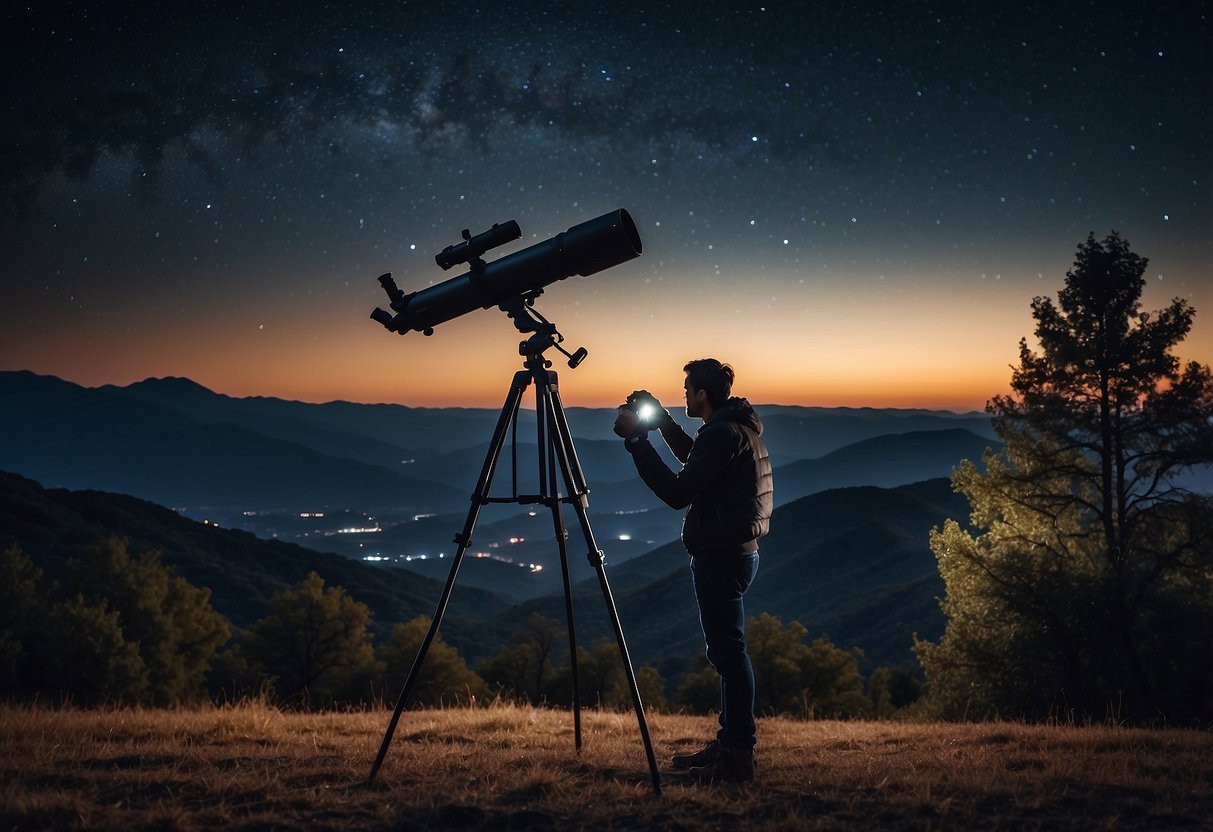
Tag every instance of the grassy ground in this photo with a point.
(505, 767)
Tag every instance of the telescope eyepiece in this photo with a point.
(382, 316)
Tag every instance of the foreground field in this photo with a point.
(505, 767)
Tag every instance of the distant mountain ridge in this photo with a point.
(886, 461)
(107, 438)
(177, 443)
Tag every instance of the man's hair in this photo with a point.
(710, 375)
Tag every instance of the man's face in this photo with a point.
(695, 399)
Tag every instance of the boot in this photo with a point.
(732, 765)
(703, 757)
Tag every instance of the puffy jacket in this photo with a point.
(726, 480)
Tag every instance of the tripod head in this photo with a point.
(521, 310)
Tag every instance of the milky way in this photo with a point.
(161, 161)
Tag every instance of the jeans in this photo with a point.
(719, 585)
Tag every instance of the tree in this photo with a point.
(815, 680)
(603, 682)
(86, 658)
(171, 622)
(831, 683)
(527, 667)
(22, 611)
(315, 645)
(116, 629)
(892, 688)
(699, 689)
(791, 677)
(778, 654)
(1086, 585)
(71, 649)
(650, 684)
(444, 675)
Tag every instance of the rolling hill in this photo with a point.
(242, 571)
(886, 461)
(852, 563)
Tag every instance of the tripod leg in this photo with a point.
(575, 481)
(509, 413)
(550, 491)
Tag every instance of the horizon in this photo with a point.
(525, 405)
(854, 207)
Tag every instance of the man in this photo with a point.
(726, 481)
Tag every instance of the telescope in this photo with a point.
(583, 250)
(512, 283)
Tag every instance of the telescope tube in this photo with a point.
(584, 249)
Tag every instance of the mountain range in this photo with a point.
(849, 563)
(181, 444)
(386, 486)
(253, 462)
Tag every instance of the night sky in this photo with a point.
(853, 203)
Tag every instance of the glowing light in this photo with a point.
(625, 537)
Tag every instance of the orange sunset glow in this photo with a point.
(859, 341)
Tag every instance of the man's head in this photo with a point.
(708, 386)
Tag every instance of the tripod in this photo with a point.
(555, 451)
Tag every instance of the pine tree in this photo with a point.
(1086, 584)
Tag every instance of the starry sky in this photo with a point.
(851, 202)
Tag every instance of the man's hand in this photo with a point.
(627, 423)
(649, 408)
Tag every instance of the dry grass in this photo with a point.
(506, 767)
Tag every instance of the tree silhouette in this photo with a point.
(22, 612)
(817, 680)
(527, 668)
(1089, 589)
(315, 645)
(170, 621)
(444, 675)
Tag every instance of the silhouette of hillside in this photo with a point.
(391, 435)
(793, 433)
(176, 443)
(852, 563)
(886, 461)
(398, 431)
(75, 437)
(241, 570)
